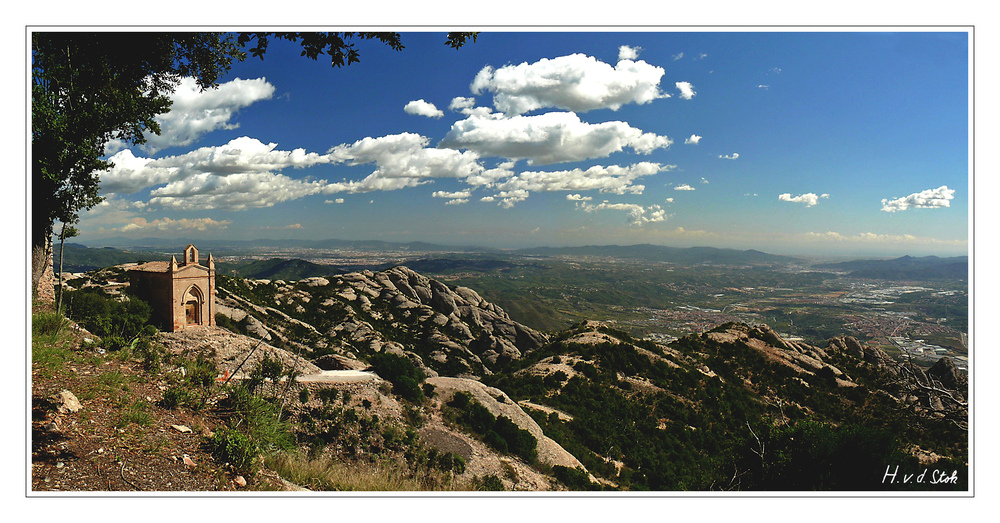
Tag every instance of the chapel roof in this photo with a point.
(153, 266)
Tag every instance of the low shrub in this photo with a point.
(236, 448)
(488, 483)
(47, 323)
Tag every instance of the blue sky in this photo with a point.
(790, 142)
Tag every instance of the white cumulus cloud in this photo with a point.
(575, 82)
(929, 199)
(452, 195)
(548, 138)
(195, 112)
(129, 174)
(809, 199)
(637, 214)
(422, 108)
(628, 53)
(686, 89)
(729, 156)
(611, 179)
(401, 160)
(238, 175)
(683, 187)
(693, 140)
(467, 106)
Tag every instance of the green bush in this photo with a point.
(257, 417)
(150, 354)
(489, 483)
(502, 434)
(402, 373)
(105, 316)
(179, 396)
(574, 478)
(236, 448)
(496, 441)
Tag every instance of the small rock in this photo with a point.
(51, 427)
(188, 461)
(60, 465)
(66, 401)
(181, 428)
(240, 480)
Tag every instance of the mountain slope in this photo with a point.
(458, 386)
(739, 408)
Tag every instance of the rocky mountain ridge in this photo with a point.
(604, 410)
(441, 329)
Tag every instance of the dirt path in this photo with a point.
(338, 376)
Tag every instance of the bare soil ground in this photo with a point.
(121, 439)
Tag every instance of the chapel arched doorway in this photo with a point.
(193, 299)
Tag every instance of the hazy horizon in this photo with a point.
(798, 143)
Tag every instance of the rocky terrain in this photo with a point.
(457, 387)
(444, 330)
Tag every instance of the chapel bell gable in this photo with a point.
(190, 255)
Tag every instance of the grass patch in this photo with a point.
(113, 380)
(138, 413)
(383, 476)
(50, 342)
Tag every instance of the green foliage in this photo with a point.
(150, 353)
(574, 478)
(502, 434)
(488, 483)
(191, 383)
(816, 456)
(239, 327)
(327, 395)
(236, 448)
(105, 316)
(180, 396)
(256, 419)
(90, 88)
(47, 324)
(49, 343)
(137, 412)
(339, 46)
(401, 372)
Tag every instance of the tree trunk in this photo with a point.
(42, 277)
(59, 289)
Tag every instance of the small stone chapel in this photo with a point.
(182, 295)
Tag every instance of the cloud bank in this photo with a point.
(548, 138)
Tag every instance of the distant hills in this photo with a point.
(81, 258)
(256, 245)
(642, 252)
(905, 268)
(660, 253)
